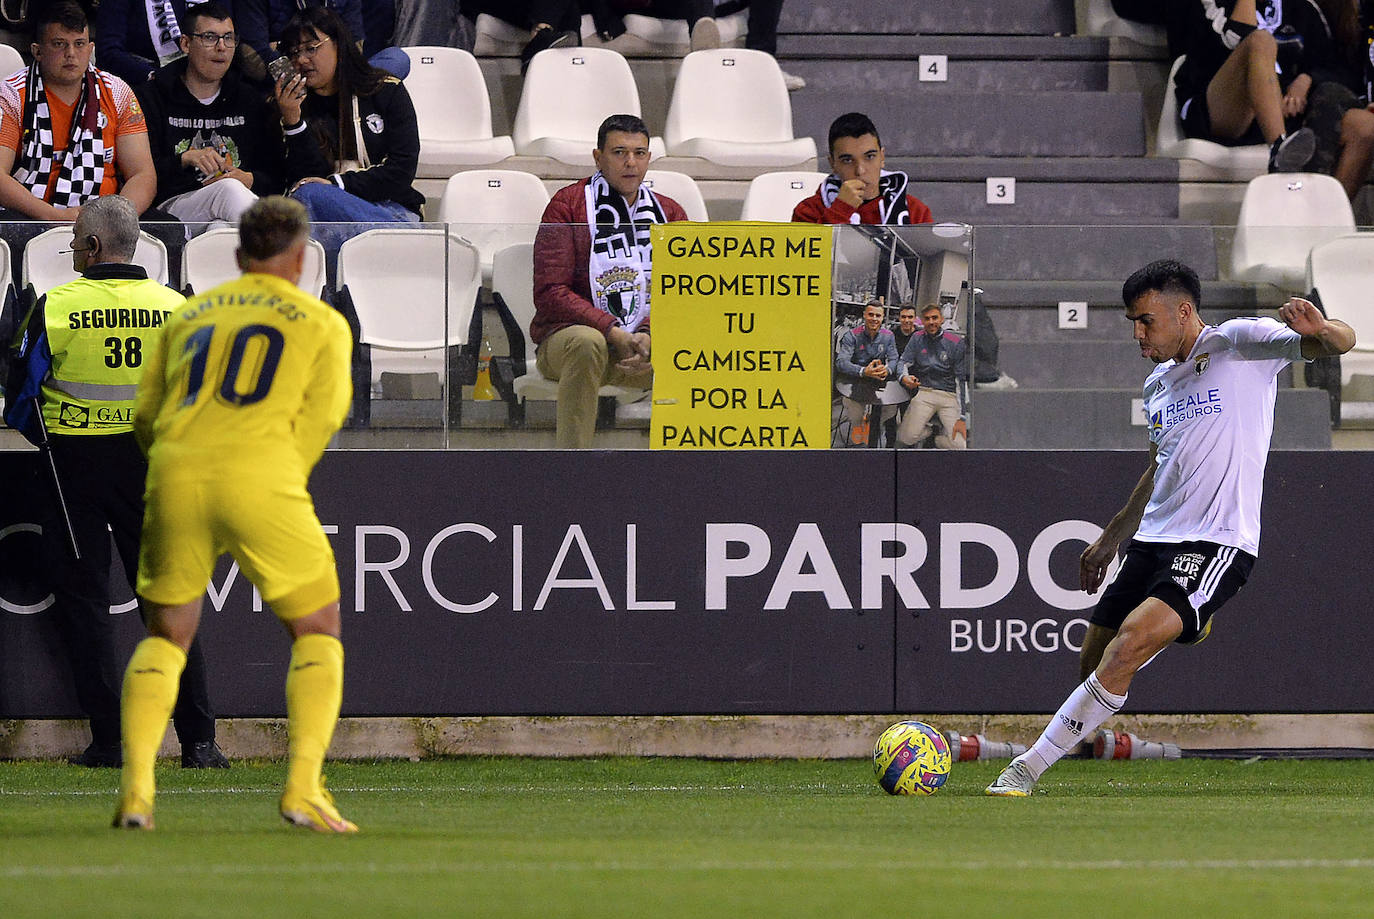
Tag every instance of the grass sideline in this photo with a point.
(683, 837)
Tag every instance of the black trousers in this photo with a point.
(102, 479)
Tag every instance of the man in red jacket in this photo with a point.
(592, 278)
(859, 190)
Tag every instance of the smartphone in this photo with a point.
(281, 67)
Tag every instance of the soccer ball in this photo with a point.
(911, 758)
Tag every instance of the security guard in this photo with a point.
(100, 327)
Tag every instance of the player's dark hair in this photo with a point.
(271, 226)
(209, 9)
(1167, 276)
(852, 124)
(65, 13)
(932, 306)
(627, 124)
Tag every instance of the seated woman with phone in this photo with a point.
(352, 143)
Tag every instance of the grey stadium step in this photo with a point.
(961, 17)
(1059, 190)
(1081, 364)
(934, 122)
(974, 64)
(1093, 253)
(1221, 299)
(1101, 419)
(1039, 202)
(994, 48)
(1035, 321)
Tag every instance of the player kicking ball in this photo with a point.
(236, 406)
(1195, 514)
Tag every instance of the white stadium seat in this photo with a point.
(1342, 271)
(209, 260)
(492, 209)
(1241, 162)
(682, 188)
(513, 280)
(773, 195)
(407, 311)
(10, 60)
(1098, 18)
(731, 107)
(45, 264)
(568, 92)
(1282, 217)
(453, 112)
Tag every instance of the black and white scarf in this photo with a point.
(81, 167)
(163, 29)
(619, 266)
(891, 189)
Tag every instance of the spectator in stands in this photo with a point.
(608, 15)
(859, 189)
(352, 143)
(866, 358)
(1246, 71)
(932, 366)
(591, 283)
(135, 37)
(263, 23)
(213, 157)
(69, 132)
(1336, 106)
(552, 23)
(763, 30)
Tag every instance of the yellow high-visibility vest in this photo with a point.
(101, 331)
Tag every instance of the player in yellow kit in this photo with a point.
(236, 406)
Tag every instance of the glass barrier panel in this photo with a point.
(445, 356)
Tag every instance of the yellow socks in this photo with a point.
(150, 691)
(314, 692)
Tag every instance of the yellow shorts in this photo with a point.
(265, 522)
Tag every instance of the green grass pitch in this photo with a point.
(669, 838)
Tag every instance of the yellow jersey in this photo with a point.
(253, 372)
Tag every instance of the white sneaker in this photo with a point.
(705, 35)
(1015, 781)
(792, 82)
(1003, 381)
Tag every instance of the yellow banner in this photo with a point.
(741, 336)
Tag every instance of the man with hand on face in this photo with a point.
(592, 265)
(215, 139)
(858, 189)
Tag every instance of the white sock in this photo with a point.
(1082, 713)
